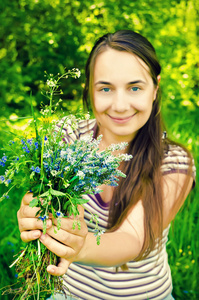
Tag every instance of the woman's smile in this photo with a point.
(121, 120)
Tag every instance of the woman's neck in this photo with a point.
(109, 139)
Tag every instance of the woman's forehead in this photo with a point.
(111, 63)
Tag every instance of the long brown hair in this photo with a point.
(143, 171)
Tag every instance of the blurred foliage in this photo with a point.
(50, 35)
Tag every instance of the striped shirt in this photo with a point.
(149, 278)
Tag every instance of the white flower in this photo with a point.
(125, 156)
(81, 175)
(63, 153)
(51, 82)
(53, 172)
(77, 72)
(61, 143)
(46, 154)
(87, 116)
(108, 160)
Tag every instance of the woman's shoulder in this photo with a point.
(177, 159)
(86, 127)
(74, 130)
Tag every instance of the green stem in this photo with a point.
(42, 159)
(36, 273)
(34, 119)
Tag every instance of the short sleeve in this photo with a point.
(177, 160)
(71, 132)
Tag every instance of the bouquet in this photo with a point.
(59, 170)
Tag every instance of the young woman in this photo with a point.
(122, 88)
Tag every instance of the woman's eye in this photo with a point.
(105, 89)
(135, 89)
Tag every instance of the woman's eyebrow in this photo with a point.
(103, 82)
(136, 81)
(129, 83)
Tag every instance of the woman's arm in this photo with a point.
(117, 247)
(124, 244)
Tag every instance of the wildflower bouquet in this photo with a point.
(58, 169)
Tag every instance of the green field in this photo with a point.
(50, 35)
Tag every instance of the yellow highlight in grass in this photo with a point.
(46, 120)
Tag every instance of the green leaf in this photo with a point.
(75, 177)
(53, 212)
(44, 194)
(80, 201)
(66, 205)
(56, 193)
(34, 202)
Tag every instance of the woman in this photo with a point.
(122, 88)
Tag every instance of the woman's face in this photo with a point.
(123, 94)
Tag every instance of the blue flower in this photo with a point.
(8, 181)
(6, 196)
(36, 145)
(36, 170)
(59, 214)
(2, 163)
(29, 141)
(26, 149)
(45, 139)
(42, 218)
(4, 158)
(2, 178)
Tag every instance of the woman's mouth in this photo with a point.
(122, 120)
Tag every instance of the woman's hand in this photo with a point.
(66, 242)
(29, 225)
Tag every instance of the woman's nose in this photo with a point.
(120, 101)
